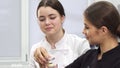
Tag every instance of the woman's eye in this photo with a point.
(52, 17)
(41, 19)
(86, 27)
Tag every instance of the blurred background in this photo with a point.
(19, 29)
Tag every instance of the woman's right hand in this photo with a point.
(41, 56)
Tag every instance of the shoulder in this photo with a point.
(75, 37)
(90, 54)
(79, 44)
(76, 41)
(117, 64)
(33, 48)
(82, 60)
(38, 44)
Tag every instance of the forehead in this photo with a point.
(88, 23)
(46, 11)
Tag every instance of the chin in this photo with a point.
(49, 33)
(91, 43)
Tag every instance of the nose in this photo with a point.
(47, 21)
(83, 31)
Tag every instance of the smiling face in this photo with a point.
(92, 34)
(50, 21)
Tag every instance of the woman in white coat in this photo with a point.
(58, 43)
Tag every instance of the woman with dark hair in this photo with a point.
(102, 28)
(63, 46)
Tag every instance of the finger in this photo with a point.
(39, 60)
(39, 57)
(44, 53)
(43, 66)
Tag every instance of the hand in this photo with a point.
(46, 66)
(41, 56)
(43, 66)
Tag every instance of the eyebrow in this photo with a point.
(48, 15)
(40, 16)
(51, 15)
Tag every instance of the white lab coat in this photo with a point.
(67, 50)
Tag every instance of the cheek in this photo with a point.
(41, 26)
(57, 23)
(93, 38)
(57, 26)
(91, 35)
(87, 33)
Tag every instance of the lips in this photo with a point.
(48, 28)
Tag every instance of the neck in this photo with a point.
(107, 45)
(52, 39)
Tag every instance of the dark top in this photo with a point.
(110, 59)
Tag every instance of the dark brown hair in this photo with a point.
(55, 4)
(104, 13)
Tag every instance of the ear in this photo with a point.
(104, 29)
(63, 18)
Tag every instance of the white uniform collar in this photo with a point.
(62, 40)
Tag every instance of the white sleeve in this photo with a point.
(32, 62)
(84, 46)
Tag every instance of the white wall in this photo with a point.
(13, 33)
(114, 2)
